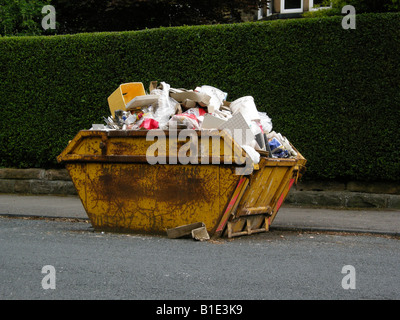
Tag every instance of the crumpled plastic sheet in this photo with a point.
(265, 121)
(165, 107)
(189, 120)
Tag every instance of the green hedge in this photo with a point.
(334, 93)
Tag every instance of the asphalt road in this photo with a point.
(274, 265)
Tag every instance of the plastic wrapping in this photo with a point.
(280, 146)
(166, 106)
(277, 149)
(198, 112)
(149, 124)
(255, 127)
(217, 97)
(266, 122)
(188, 120)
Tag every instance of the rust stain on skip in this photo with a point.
(163, 183)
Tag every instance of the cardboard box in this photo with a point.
(189, 104)
(181, 95)
(123, 94)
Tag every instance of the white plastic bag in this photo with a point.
(266, 122)
(217, 97)
(189, 120)
(166, 106)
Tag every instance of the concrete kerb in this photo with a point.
(335, 194)
(343, 199)
(335, 230)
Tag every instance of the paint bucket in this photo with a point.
(247, 107)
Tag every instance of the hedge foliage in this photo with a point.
(334, 93)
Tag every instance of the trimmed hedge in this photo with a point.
(334, 93)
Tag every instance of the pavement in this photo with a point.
(384, 222)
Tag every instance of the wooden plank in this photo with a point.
(200, 234)
(185, 230)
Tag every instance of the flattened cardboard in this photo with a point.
(211, 122)
(181, 95)
(142, 101)
(152, 86)
(184, 230)
(189, 104)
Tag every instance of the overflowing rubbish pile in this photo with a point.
(203, 108)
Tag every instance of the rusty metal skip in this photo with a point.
(122, 192)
